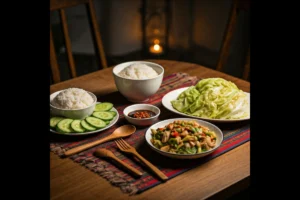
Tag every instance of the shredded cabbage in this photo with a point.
(213, 98)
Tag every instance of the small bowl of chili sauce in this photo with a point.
(141, 114)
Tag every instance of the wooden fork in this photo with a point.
(125, 147)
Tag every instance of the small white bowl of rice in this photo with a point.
(74, 103)
(138, 80)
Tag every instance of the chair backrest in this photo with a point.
(60, 5)
(225, 48)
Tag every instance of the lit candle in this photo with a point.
(156, 49)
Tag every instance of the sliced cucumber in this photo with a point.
(96, 122)
(64, 126)
(113, 113)
(105, 106)
(86, 126)
(103, 115)
(76, 126)
(54, 121)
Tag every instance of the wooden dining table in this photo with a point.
(218, 178)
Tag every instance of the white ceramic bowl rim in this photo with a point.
(144, 62)
(183, 155)
(93, 96)
(146, 105)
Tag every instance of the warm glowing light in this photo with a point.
(156, 49)
(156, 41)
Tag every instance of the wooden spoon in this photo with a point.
(122, 131)
(108, 154)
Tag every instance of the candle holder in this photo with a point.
(155, 27)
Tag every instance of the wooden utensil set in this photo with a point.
(117, 135)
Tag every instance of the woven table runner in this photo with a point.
(234, 135)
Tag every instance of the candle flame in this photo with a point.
(156, 47)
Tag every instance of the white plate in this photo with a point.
(219, 135)
(166, 101)
(112, 122)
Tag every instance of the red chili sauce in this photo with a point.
(141, 114)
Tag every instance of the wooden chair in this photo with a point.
(60, 5)
(225, 48)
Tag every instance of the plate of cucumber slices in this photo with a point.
(103, 117)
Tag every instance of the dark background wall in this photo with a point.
(196, 26)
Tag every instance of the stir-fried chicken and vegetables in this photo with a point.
(183, 137)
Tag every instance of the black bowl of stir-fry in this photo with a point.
(184, 138)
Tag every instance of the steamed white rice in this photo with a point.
(138, 71)
(72, 98)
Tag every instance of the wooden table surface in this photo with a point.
(222, 176)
